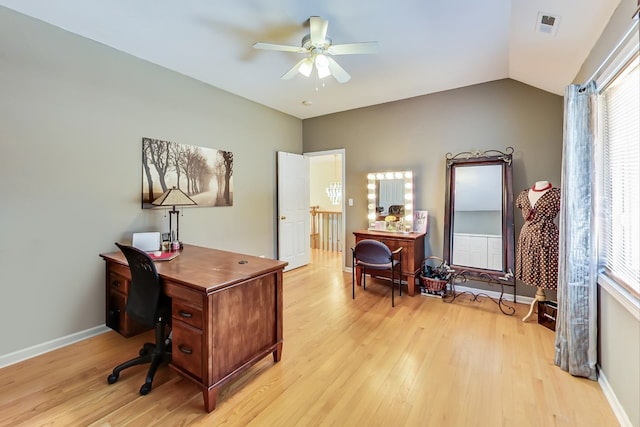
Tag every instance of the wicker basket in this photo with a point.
(433, 285)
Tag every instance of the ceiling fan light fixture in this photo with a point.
(323, 72)
(306, 67)
(321, 62)
(322, 65)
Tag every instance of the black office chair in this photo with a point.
(146, 304)
(371, 254)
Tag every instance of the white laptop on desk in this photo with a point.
(148, 242)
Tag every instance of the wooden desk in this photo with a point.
(412, 245)
(226, 312)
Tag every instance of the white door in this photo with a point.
(294, 244)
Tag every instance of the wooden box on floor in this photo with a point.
(547, 312)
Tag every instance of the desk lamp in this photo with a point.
(174, 197)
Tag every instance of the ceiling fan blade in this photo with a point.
(354, 48)
(293, 71)
(337, 71)
(318, 30)
(281, 47)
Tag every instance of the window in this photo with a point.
(619, 199)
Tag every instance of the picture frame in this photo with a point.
(420, 221)
(204, 174)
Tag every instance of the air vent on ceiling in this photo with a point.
(547, 23)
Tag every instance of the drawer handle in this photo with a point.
(185, 350)
(115, 284)
(185, 314)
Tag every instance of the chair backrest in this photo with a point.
(145, 294)
(372, 252)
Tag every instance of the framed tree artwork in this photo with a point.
(204, 174)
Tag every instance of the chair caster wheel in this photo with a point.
(145, 389)
(112, 378)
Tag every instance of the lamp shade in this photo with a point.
(173, 197)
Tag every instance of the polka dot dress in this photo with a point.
(537, 250)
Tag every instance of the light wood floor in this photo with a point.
(345, 363)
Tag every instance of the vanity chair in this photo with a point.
(147, 305)
(371, 254)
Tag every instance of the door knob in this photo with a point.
(283, 217)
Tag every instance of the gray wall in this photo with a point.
(618, 328)
(72, 115)
(415, 134)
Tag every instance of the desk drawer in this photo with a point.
(186, 352)
(116, 312)
(186, 313)
(391, 244)
(118, 282)
(180, 292)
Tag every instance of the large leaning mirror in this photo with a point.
(479, 231)
(390, 194)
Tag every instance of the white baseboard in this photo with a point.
(618, 410)
(36, 350)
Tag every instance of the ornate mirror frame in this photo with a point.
(504, 275)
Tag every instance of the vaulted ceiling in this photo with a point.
(426, 46)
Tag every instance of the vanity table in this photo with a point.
(412, 245)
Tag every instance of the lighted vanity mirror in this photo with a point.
(390, 194)
(479, 234)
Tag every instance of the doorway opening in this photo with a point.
(326, 181)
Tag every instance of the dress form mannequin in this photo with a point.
(540, 296)
(538, 189)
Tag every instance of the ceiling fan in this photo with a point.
(318, 49)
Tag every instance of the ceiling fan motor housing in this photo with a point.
(309, 45)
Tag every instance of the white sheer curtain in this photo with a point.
(576, 322)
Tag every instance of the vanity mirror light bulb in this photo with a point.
(408, 185)
(371, 206)
(372, 216)
(371, 186)
(398, 175)
(380, 176)
(408, 174)
(408, 218)
(408, 207)
(371, 196)
(371, 176)
(408, 196)
(389, 175)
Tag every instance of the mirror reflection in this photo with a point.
(390, 200)
(477, 229)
